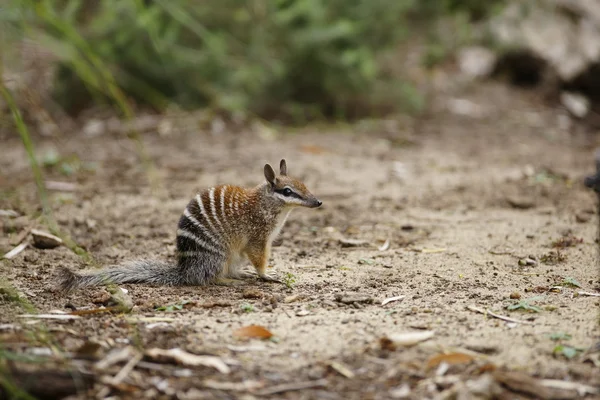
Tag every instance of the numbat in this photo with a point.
(220, 228)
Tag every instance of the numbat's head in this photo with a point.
(287, 190)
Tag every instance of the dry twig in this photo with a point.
(502, 317)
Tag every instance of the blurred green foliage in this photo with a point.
(294, 58)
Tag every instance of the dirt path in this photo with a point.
(470, 206)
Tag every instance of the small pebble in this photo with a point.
(583, 217)
(515, 295)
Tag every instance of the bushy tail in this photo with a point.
(143, 271)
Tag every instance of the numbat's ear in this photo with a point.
(269, 174)
(282, 168)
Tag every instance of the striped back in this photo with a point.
(205, 225)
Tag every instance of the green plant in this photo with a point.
(289, 280)
(525, 306)
(570, 282)
(567, 351)
(557, 336)
(175, 307)
(247, 307)
(300, 58)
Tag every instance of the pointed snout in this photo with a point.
(315, 203)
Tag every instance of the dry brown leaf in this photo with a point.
(342, 369)
(450, 358)
(252, 332)
(312, 149)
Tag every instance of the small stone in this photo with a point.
(45, 240)
(522, 203)
(353, 298)
(353, 242)
(515, 295)
(102, 298)
(482, 347)
(476, 62)
(252, 294)
(576, 103)
(582, 217)
(529, 261)
(302, 313)
(93, 128)
(120, 299)
(293, 298)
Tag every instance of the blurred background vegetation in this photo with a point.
(290, 60)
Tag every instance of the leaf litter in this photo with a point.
(252, 332)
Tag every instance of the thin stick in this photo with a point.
(127, 369)
(14, 252)
(582, 293)
(288, 387)
(502, 317)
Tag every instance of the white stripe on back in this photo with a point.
(205, 216)
(213, 208)
(201, 227)
(223, 190)
(191, 236)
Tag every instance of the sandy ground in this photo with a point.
(472, 207)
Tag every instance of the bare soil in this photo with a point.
(473, 198)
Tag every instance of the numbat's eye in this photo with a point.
(287, 192)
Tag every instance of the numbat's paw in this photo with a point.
(228, 282)
(246, 275)
(269, 278)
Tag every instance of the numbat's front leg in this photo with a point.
(259, 258)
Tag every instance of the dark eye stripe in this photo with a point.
(293, 194)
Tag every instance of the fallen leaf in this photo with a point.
(405, 339)
(390, 299)
(385, 246)
(342, 369)
(312, 149)
(88, 349)
(188, 359)
(252, 332)
(45, 240)
(450, 358)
